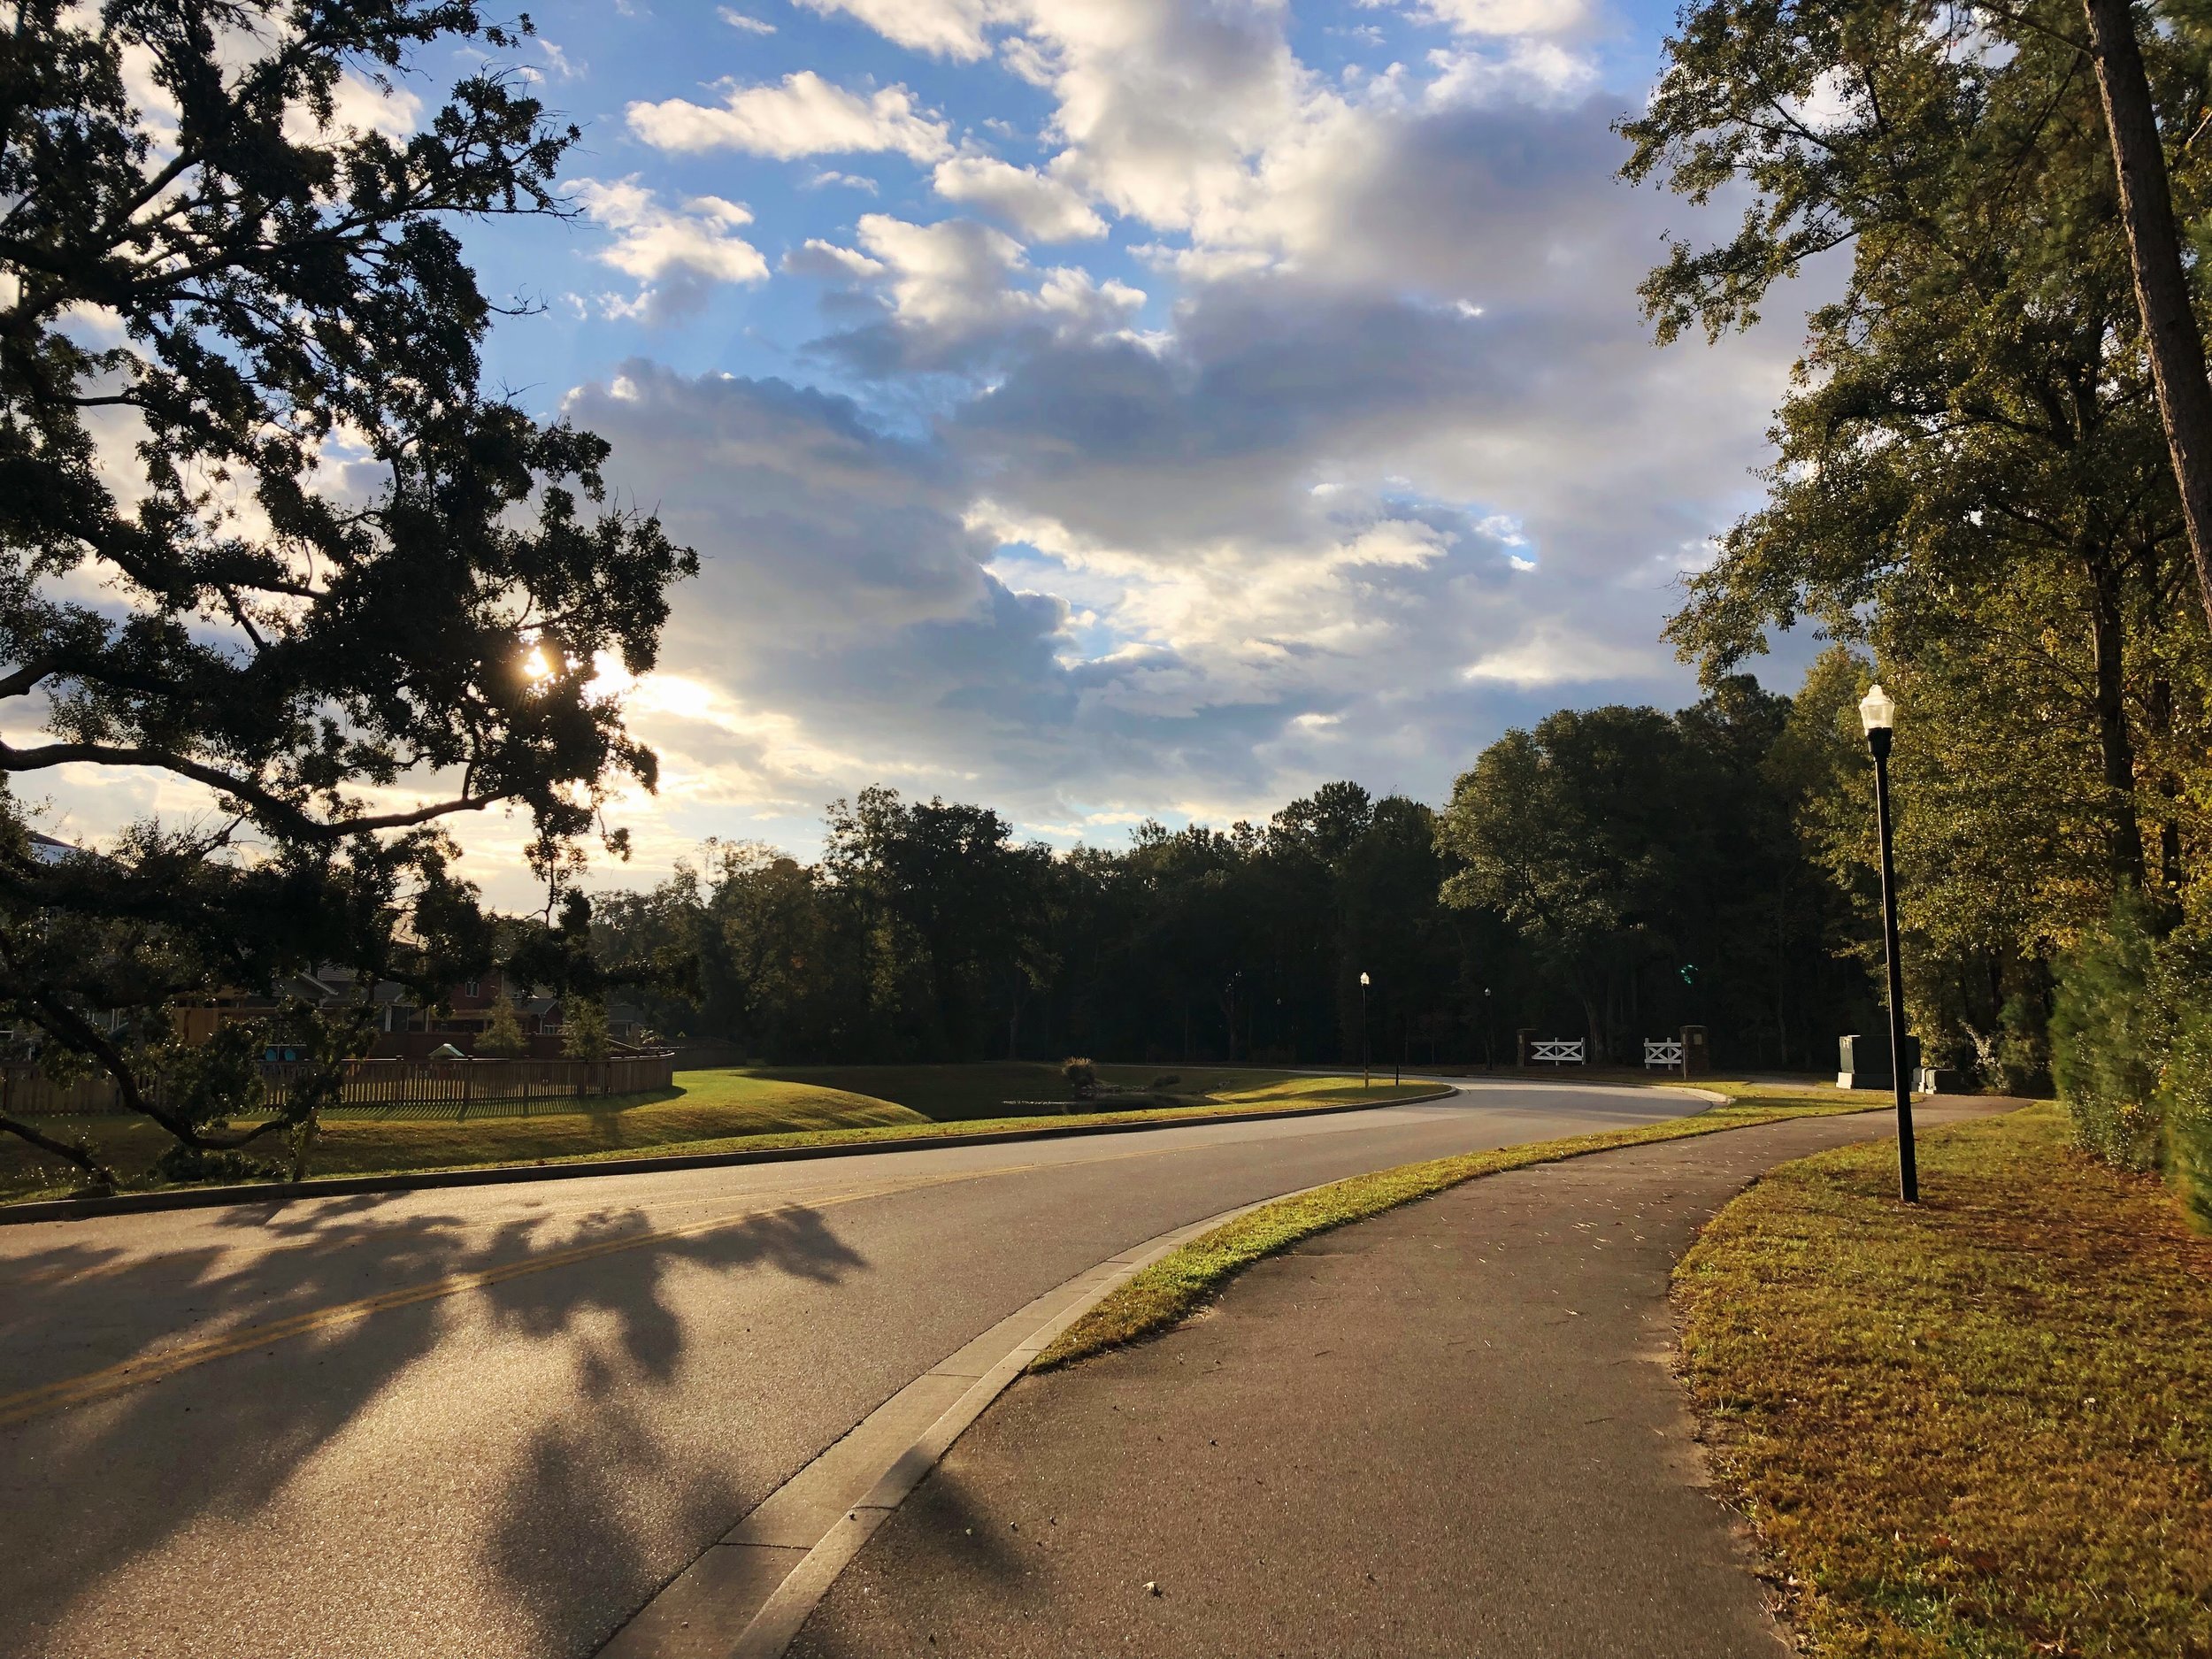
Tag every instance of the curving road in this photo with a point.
(493, 1421)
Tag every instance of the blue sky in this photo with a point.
(1105, 409)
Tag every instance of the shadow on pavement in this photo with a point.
(99, 1503)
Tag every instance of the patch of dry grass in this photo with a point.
(1979, 1426)
(1166, 1292)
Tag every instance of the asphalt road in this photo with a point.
(493, 1421)
(1451, 1431)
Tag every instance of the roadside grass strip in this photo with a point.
(1164, 1294)
(1980, 1426)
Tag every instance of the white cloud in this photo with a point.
(819, 258)
(945, 28)
(683, 252)
(742, 23)
(1557, 656)
(558, 62)
(823, 178)
(1506, 17)
(803, 115)
(958, 290)
(1199, 120)
(1039, 205)
(356, 105)
(1529, 71)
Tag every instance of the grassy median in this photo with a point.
(1982, 1426)
(708, 1111)
(1167, 1292)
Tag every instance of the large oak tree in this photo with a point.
(263, 531)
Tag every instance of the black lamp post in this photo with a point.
(1878, 712)
(1362, 1031)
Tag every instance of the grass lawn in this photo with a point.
(1169, 1290)
(953, 1093)
(1983, 1427)
(708, 1111)
(705, 1107)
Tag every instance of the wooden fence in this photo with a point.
(373, 1083)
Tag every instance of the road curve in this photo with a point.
(493, 1421)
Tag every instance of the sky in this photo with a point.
(1106, 409)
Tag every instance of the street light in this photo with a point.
(1878, 712)
(1362, 1031)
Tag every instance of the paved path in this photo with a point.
(493, 1421)
(1449, 1431)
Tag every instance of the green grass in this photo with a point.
(1979, 1426)
(707, 1112)
(704, 1108)
(1166, 1293)
(953, 1093)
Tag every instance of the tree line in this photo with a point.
(1612, 874)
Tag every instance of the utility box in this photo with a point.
(1864, 1061)
(1697, 1058)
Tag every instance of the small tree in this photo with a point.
(503, 1031)
(583, 1029)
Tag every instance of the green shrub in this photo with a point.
(2131, 1049)
(2110, 1029)
(2186, 1093)
(182, 1164)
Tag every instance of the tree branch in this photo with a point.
(296, 819)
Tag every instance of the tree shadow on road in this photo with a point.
(123, 1520)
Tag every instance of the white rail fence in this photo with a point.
(1662, 1051)
(1550, 1051)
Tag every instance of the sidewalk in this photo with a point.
(1447, 1431)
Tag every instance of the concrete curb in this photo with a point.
(748, 1594)
(501, 1174)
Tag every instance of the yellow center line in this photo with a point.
(146, 1367)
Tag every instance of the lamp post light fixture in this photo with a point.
(1878, 713)
(1363, 1067)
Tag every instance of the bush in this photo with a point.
(1082, 1077)
(2110, 1030)
(1168, 1081)
(2186, 1091)
(182, 1164)
(2131, 1049)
